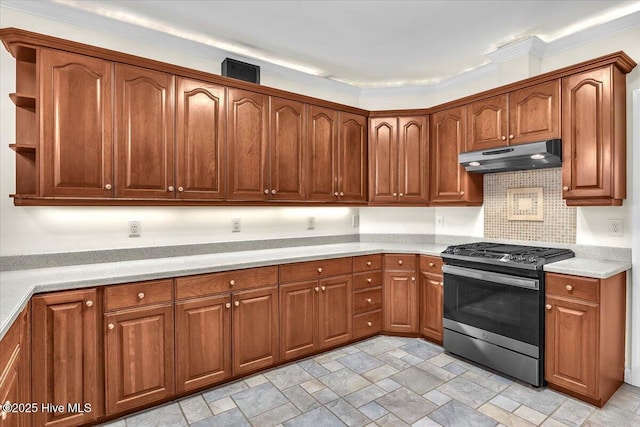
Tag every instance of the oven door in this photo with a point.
(507, 307)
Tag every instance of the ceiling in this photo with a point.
(362, 43)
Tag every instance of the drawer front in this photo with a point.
(367, 263)
(431, 264)
(209, 284)
(367, 280)
(400, 262)
(138, 294)
(301, 271)
(584, 288)
(367, 324)
(367, 300)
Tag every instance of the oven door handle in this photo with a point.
(489, 276)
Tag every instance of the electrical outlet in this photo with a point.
(311, 223)
(355, 221)
(439, 221)
(134, 228)
(235, 225)
(616, 227)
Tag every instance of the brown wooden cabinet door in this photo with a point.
(203, 342)
(247, 136)
(255, 330)
(200, 140)
(413, 146)
(298, 319)
(138, 357)
(65, 363)
(571, 334)
(431, 310)
(383, 159)
(587, 135)
(534, 113)
(352, 158)
(488, 123)
(400, 302)
(144, 133)
(323, 154)
(334, 311)
(15, 372)
(286, 150)
(77, 125)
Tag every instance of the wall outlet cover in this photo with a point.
(311, 223)
(135, 228)
(235, 225)
(616, 227)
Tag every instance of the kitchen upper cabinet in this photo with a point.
(450, 183)
(323, 154)
(398, 160)
(352, 158)
(77, 143)
(401, 301)
(15, 371)
(66, 366)
(593, 137)
(525, 115)
(200, 140)
(286, 150)
(144, 129)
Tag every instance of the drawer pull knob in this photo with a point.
(565, 188)
(369, 280)
(317, 289)
(431, 264)
(141, 295)
(110, 326)
(232, 282)
(108, 186)
(369, 324)
(399, 262)
(369, 301)
(548, 306)
(368, 263)
(237, 303)
(569, 288)
(441, 284)
(228, 305)
(89, 303)
(319, 269)
(324, 288)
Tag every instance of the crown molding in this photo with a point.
(528, 46)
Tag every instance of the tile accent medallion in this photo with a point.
(559, 220)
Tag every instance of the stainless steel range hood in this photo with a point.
(535, 155)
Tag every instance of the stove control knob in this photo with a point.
(532, 259)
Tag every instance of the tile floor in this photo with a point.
(385, 381)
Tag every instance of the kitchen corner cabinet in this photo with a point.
(401, 302)
(15, 371)
(594, 137)
(450, 182)
(66, 364)
(525, 115)
(398, 159)
(431, 298)
(315, 306)
(585, 335)
(139, 344)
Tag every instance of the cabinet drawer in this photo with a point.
(585, 288)
(367, 300)
(315, 270)
(209, 284)
(431, 264)
(367, 280)
(367, 262)
(137, 294)
(367, 324)
(400, 262)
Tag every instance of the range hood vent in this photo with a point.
(535, 155)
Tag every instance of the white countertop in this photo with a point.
(17, 287)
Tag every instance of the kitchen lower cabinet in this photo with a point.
(15, 385)
(585, 335)
(66, 366)
(367, 295)
(298, 319)
(139, 357)
(431, 310)
(334, 311)
(400, 294)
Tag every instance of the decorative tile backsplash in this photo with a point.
(559, 220)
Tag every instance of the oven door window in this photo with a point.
(506, 310)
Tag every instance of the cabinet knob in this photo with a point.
(462, 193)
(319, 269)
(341, 193)
(548, 306)
(108, 186)
(395, 194)
(232, 282)
(273, 191)
(266, 191)
(399, 262)
(511, 137)
(569, 288)
(369, 301)
(441, 283)
(181, 189)
(228, 305)
(431, 264)
(324, 288)
(141, 295)
(89, 303)
(504, 138)
(565, 188)
(110, 326)
(413, 279)
(369, 324)
(401, 194)
(237, 303)
(368, 263)
(170, 188)
(335, 194)
(317, 289)
(369, 280)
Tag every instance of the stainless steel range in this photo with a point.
(493, 305)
